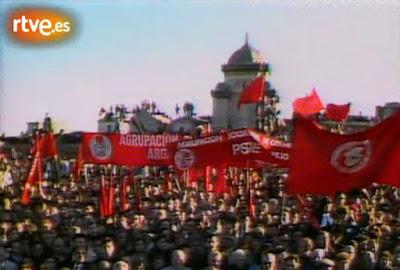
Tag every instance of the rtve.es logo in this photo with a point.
(36, 25)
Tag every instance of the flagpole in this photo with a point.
(248, 184)
(57, 169)
(86, 175)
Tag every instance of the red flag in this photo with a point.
(103, 198)
(337, 112)
(253, 92)
(78, 164)
(220, 185)
(33, 179)
(308, 105)
(326, 163)
(208, 177)
(44, 147)
(111, 197)
(124, 194)
(47, 145)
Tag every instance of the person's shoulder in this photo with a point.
(10, 265)
(254, 267)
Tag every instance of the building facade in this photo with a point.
(243, 66)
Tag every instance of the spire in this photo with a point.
(247, 38)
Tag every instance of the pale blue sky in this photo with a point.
(172, 51)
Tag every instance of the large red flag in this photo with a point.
(326, 163)
(337, 112)
(253, 92)
(33, 179)
(45, 147)
(308, 105)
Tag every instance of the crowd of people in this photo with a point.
(189, 227)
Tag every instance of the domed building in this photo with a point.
(243, 66)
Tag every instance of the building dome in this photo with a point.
(246, 55)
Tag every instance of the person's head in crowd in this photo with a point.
(384, 261)
(48, 264)
(4, 254)
(139, 263)
(214, 243)
(121, 265)
(140, 246)
(162, 243)
(268, 261)
(238, 259)
(396, 256)
(304, 247)
(27, 264)
(79, 241)
(342, 261)
(227, 243)
(341, 199)
(16, 251)
(291, 262)
(178, 258)
(158, 261)
(103, 265)
(351, 251)
(322, 240)
(81, 255)
(365, 260)
(59, 247)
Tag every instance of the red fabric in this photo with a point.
(167, 183)
(33, 179)
(127, 149)
(103, 198)
(337, 112)
(111, 197)
(208, 180)
(308, 105)
(253, 92)
(240, 148)
(45, 147)
(326, 163)
(107, 198)
(192, 175)
(308, 211)
(220, 185)
(136, 192)
(78, 164)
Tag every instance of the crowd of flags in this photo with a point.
(321, 162)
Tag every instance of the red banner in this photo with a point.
(127, 149)
(240, 148)
(326, 163)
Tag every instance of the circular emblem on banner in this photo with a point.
(184, 159)
(100, 147)
(351, 157)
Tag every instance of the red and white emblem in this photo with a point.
(184, 159)
(351, 157)
(100, 147)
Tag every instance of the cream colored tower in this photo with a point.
(244, 65)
